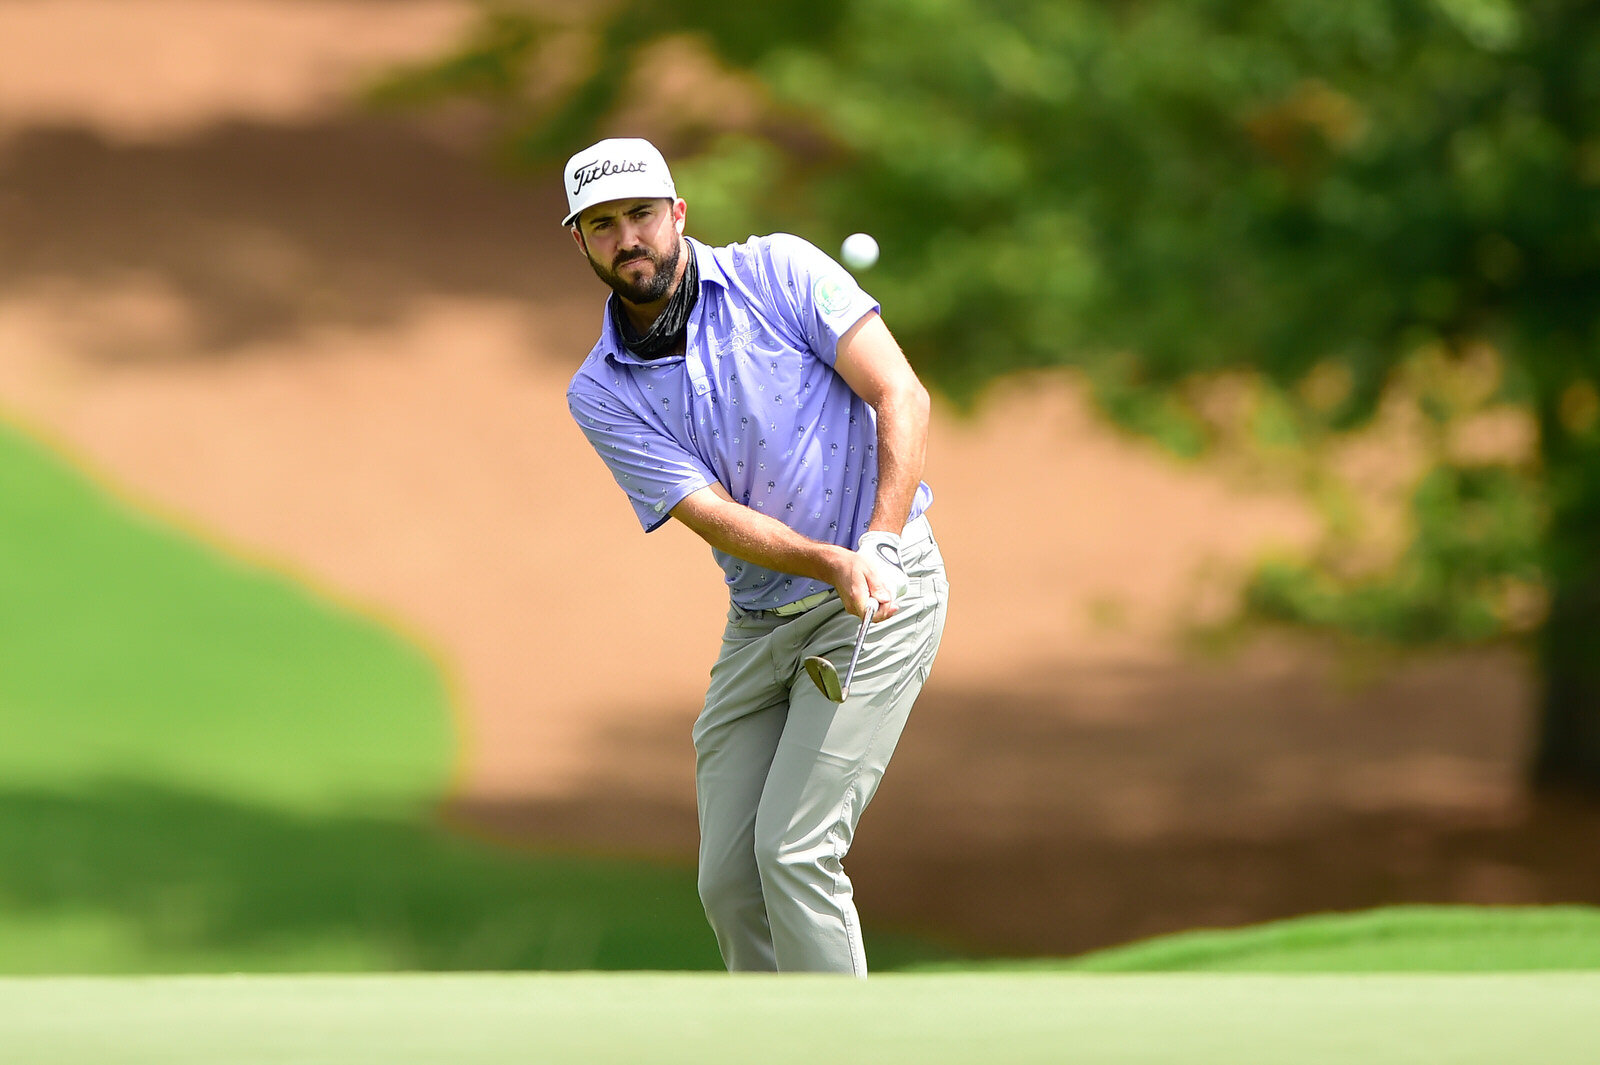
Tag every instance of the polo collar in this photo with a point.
(710, 268)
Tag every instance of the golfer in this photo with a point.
(753, 393)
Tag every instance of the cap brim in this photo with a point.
(669, 194)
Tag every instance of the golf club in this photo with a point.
(826, 676)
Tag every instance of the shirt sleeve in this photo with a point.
(817, 296)
(654, 470)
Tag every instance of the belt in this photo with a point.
(800, 606)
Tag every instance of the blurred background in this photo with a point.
(1265, 341)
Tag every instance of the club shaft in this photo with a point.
(861, 639)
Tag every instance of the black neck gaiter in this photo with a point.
(666, 332)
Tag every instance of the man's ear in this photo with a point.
(577, 238)
(680, 212)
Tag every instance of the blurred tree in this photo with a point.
(1330, 202)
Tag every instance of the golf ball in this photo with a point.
(859, 251)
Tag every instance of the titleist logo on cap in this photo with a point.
(618, 168)
(605, 168)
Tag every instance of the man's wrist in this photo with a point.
(837, 563)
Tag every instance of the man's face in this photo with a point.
(633, 245)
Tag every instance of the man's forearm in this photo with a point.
(744, 533)
(902, 452)
(737, 530)
(875, 368)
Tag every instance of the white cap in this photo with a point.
(622, 168)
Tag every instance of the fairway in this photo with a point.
(704, 1019)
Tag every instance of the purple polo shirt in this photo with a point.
(754, 403)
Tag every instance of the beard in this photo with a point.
(652, 285)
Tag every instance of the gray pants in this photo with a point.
(782, 774)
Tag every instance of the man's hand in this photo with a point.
(877, 573)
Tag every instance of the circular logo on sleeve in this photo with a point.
(830, 295)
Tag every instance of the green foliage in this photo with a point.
(1169, 188)
(1205, 185)
(489, 65)
(1474, 550)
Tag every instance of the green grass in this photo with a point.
(129, 651)
(1453, 939)
(133, 878)
(1016, 1019)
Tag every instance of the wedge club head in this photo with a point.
(826, 678)
(825, 675)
